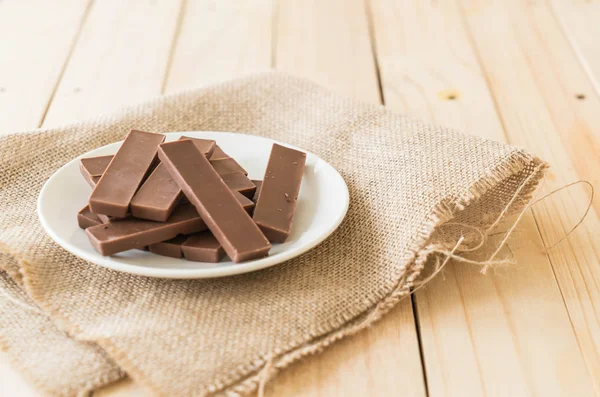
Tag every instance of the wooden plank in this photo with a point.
(121, 58)
(37, 37)
(216, 40)
(374, 362)
(428, 69)
(534, 75)
(328, 42)
(481, 335)
(219, 41)
(30, 67)
(580, 20)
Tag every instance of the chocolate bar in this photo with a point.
(130, 233)
(125, 173)
(239, 182)
(92, 168)
(86, 218)
(258, 185)
(159, 195)
(227, 166)
(202, 247)
(170, 248)
(206, 146)
(109, 219)
(197, 247)
(276, 204)
(95, 166)
(94, 181)
(246, 203)
(101, 218)
(218, 154)
(233, 184)
(205, 189)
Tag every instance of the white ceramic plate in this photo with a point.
(322, 205)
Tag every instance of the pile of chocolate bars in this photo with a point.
(188, 199)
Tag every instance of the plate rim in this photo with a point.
(188, 273)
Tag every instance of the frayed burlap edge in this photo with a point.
(247, 378)
(272, 364)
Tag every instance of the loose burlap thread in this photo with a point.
(201, 337)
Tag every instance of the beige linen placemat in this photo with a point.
(182, 338)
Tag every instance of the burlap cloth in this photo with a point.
(183, 338)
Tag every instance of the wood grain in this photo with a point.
(534, 74)
(36, 39)
(477, 331)
(580, 20)
(328, 42)
(31, 63)
(221, 40)
(121, 58)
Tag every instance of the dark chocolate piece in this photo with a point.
(239, 182)
(130, 233)
(171, 248)
(125, 173)
(258, 185)
(202, 247)
(205, 189)
(86, 218)
(227, 166)
(276, 204)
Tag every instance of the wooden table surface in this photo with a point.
(526, 72)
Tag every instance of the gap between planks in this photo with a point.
(537, 62)
(579, 21)
(430, 68)
(330, 43)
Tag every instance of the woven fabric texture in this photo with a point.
(199, 337)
